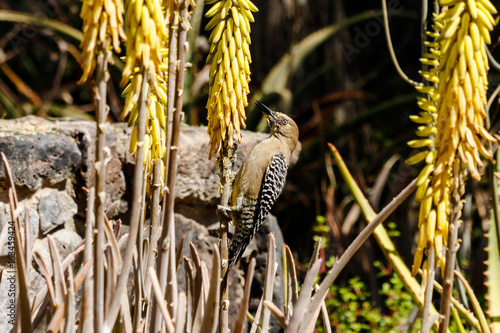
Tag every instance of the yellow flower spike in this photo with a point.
(236, 17)
(462, 66)
(425, 89)
(429, 159)
(156, 132)
(421, 120)
(214, 9)
(133, 141)
(464, 29)
(160, 114)
(451, 28)
(102, 24)
(437, 195)
(482, 150)
(225, 9)
(229, 59)
(455, 100)
(132, 119)
(471, 4)
(147, 30)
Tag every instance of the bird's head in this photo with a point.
(281, 125)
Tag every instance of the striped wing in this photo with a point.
(255, 212)
(274, 181)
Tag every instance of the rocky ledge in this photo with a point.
(52, 160)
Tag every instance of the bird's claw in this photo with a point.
(224, 211)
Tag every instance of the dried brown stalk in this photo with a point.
(225, 169)
(166, 262)
(100, 174)
(451, 251)
(240, 319)
(23, 322)
(87, 314)
(429, 287)
(135, 215)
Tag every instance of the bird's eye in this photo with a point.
(284, 122)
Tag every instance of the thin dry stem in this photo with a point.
(451, 251)
(429, 288)
(168, 229)
(22, 300)
(135, 214)
(87, 314)
(225, 170)
(240, 319)
(271, 268)
(154, 228)
(100, 165)
(277, 313)
(166, 262)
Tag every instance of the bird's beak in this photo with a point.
(268, 113)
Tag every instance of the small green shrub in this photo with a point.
(352, 310)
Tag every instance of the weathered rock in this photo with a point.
(66, 241)
(52, 161)
(43, 152)
(84, 134)
(37, 282)
(55, 208)
(37, 156)
(34, 219)
(5, 218)
(66, 148)
(8, 292)
(7, 300)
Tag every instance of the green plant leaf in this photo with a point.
(64, 29)
(493, 272)
(381, 234)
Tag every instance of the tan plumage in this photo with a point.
(260, 180)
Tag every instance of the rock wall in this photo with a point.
(52, 162)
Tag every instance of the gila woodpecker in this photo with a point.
(259, 181)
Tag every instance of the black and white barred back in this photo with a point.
(255, 211)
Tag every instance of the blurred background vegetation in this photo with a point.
(324, 62)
